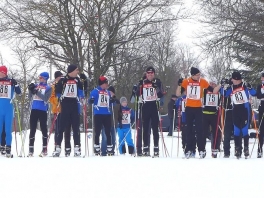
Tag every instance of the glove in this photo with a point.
(180, 81)
(83, 77)
(248, 85)
(91, 101)
(224, 81)
(112, 99)
(154, 84)
(13, 82)
(134, 90)
(34, 91)
(31, 86)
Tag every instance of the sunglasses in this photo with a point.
(150, 72)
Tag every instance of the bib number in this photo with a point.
(5, 89)
(149, 93)
(126, 117)
(70, 90)
(211, 100)
(103, 99)
(193, 92)
(239, 96)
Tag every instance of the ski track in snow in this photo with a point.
(126, 176)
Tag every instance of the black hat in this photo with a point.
(173, 96)
(57, 74)
(236, 75)
(102, 80)
(71, 68)
(111, 88)
(262, 75)
(194, 71)
(150, 69)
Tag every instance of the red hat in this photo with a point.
(3, 69)
(102, 80)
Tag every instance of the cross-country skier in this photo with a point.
(149, 91)
(8, 87)
(124, 127)
(210, 119)
(39, 94)
(194, 87)
(239, 92)
(70, 90)
(101, 99)
(260, 95)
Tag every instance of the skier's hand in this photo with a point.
(224, 81)
(13, 82)
(112, 99)
(154, 84)
(91, 100)
(180, 81)
(83, 77)
(134, 90)
(31, 86)
(34, 91)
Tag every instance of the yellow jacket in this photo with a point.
(55, 106)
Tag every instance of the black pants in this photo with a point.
(67, 133)
(3, 136)
(150, 114)
(139, 131)
(261, 127)
(35, 116)
(194, 115)
(228, 131)
(210, 120)
(70, 118)
(101, 120)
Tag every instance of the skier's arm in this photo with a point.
(46, 96)
(259, 94)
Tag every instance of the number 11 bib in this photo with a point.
(194, 91)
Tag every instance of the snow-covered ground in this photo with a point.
(126, 176)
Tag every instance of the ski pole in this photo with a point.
(179, 128)
(113, 114)
(257, 131)
(15, 134)
(173, 117)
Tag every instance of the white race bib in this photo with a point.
(194, 91)
(149, 93)
(5, 89)
(40, 89)
(126, 117)
(103, 99)
(70, 90)
(211, 99)
(239, 96)
(183, 105)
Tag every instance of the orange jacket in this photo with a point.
(55, 106)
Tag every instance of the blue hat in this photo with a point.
(44, 75)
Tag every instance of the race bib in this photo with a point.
(183, 105)
(126, 117)
(211, 99)
(70, 90)
(103, 99)
(5, 89)
(149, 93)
(40, 89)
(239, 96)
(194, 91)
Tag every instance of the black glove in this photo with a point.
(112, 99)
(134, 90)
(248, 85)
(91, 101)
(34, 91)
(13, 82)
(31, 86)
(154, 84)
(224, 81)
(180, 81)
(83, 77)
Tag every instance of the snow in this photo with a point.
(126, 176)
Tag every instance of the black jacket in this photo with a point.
(171, 106)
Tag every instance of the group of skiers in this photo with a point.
(201, 106)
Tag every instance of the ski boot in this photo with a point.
(246, 152)
(202, 154)
(193, 154)
(44, 152)
(31, 151)
(2, 150)
(226, 155)
(237, 152)
(146, 151)
(214, 153)
(259, 155)
(57, 151)
(67, 152)
(139, 154)
(188, 154)
(8, 152)
(110, 151)
(96, 150)
(156, 151)
(77, 151)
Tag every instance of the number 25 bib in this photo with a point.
(5, 89)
